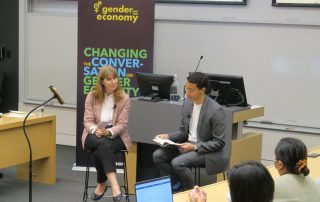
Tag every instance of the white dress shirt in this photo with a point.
(194, 123)
(107, 108)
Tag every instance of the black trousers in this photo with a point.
(103, 150)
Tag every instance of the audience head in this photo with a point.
(291, 156)
(250, 181)
(108, 82)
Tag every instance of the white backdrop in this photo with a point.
(276, 50)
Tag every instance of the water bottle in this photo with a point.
(174, 96)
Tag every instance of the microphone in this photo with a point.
(198, 63)
(56, 94)
(108, 126)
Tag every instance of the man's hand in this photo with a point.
(163, 136)
(187, 147)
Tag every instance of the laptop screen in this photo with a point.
(155, 190)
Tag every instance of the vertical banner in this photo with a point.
(119, 33)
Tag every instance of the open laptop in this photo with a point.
(155, 190)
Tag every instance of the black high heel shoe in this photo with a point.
(117, 198)
(96, 197)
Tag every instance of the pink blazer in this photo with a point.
(120, 118)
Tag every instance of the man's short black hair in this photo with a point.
(199, 78)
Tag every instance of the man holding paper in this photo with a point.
(201, 134)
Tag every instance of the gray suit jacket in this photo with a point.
(211, 135)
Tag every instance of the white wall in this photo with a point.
(270, 138)
(182, 34)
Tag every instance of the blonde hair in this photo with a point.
(98, 91)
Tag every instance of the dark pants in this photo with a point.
(171, 162)
(103, 150)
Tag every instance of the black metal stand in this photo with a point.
(30, 149)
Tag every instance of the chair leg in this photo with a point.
(125, 177)
(195, 175)
(199, 176)
(86, 181)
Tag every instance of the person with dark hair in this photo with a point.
(250, 181)
(294, 184)
(105, 129)
(201, 134)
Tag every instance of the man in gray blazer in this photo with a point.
(201, 134)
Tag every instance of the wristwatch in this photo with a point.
(195, 148)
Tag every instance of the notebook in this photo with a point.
(155, 190)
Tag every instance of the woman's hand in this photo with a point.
(100, 132)
(197, 195)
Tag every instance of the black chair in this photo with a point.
(197, 175)
(124, 187)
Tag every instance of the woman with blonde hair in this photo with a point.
(105, 129)
(294, 184)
